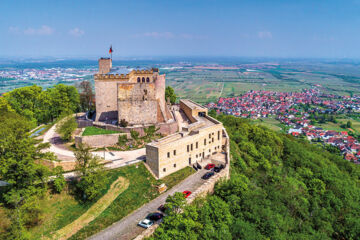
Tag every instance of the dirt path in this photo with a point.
(117, 187)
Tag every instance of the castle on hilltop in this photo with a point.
(136, 96)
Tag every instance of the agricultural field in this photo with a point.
(202, 80)
(207, 84)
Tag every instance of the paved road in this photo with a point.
(127, 228)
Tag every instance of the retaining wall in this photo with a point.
(104, 140)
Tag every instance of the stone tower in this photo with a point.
(137, 96)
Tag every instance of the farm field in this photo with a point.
(205, 80)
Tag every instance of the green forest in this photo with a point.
(280, 188)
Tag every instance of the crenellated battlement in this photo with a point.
(121, 77)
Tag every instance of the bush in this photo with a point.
(66, 127)
(134, 134)
(59, 182)
(123, 123)
(122, 140)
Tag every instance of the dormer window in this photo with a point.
(147, 79)
(138, 79)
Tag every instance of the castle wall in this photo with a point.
(106, 100)
(137, 103)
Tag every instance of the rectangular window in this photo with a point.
(164, 169)
(197, 145)
(218, 135)
(174, 152)
(209, 135)
(205, 141)
(175, 165)
(191, 147)
(187, 147)
(212, 139)
(168, 154)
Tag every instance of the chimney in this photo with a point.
(105, 65)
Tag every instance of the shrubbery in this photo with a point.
(280, 188)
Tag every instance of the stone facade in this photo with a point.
(137, 96)
(199, 140)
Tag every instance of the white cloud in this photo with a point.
(168, 35)
(165, 35)
(76, 32)
(14, 30)
(264, 34)
(42, 31)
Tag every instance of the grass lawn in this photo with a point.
(62, 209)
(141, 190)
(89, 131)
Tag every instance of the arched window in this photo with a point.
(138, 79)
(143, 79)
(147, 79)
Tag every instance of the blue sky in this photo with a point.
(244, 28)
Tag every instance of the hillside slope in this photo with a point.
(280, 188)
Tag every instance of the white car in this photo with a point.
(145, 223)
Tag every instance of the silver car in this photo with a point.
(145, 223)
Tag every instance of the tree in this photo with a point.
(41, 106)
(92, 174)
(122, 140)
(150, 132)
(59, 181)
(66, 127)
(86, 95)
(134, 135)
(19, 156)
(349, 124)
(170, 94)
(175, 203)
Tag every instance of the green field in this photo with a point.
(205, 84)
(89, 131)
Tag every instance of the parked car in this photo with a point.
(208, 175)
(198, 166)
(155, 216)
(194, 166)
(145, 223)
(210, 166)
(217, 169)
(186, 194)
(162, 208)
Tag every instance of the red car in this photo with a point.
(186, 193)
(210, 166)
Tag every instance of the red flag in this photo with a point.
(110, 50)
